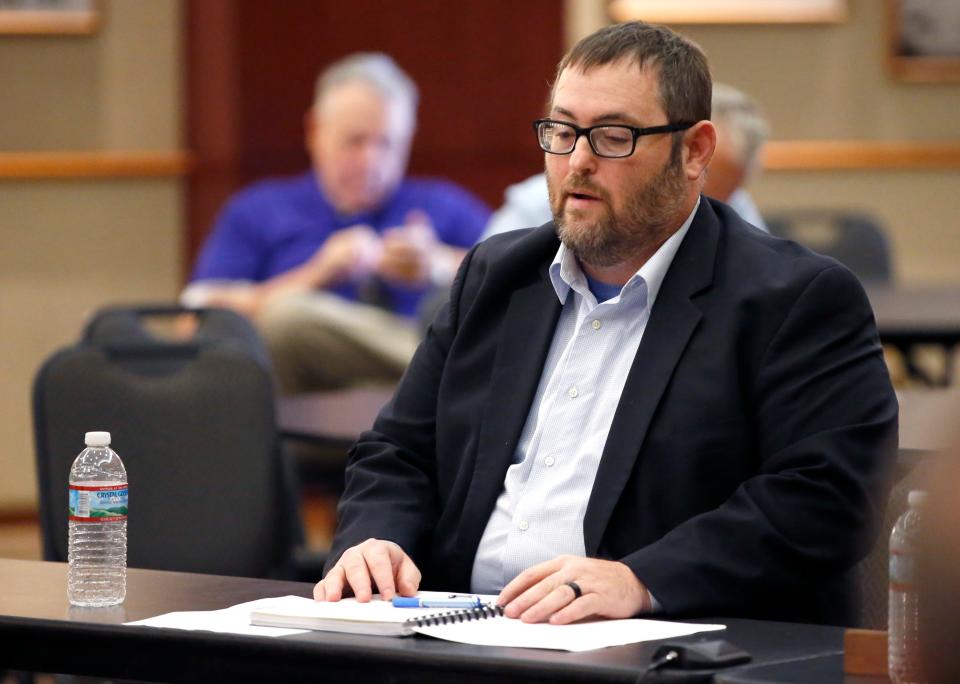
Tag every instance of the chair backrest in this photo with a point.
(855, 239)
(194, 424)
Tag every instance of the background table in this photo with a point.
(335, 418)
(917, 315)
(908, 317)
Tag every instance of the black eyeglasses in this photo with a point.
(613, 141)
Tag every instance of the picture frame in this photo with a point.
(923, 40)
(49, 17)
(729, 11)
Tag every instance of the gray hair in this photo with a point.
(743, 122)
(373, 68)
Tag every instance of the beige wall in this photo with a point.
(828, 81)
(69, 247)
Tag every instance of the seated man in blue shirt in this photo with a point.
(332, 264)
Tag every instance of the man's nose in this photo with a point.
(582, 158)
(371, 154)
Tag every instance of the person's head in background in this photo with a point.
(741, 133)
(359, 130)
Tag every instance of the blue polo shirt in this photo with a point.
(276, 225)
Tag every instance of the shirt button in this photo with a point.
(549, 461)
(572, 392)
(524, 525)
(596, 325)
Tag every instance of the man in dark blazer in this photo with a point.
(726, 453)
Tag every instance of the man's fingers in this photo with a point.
(357, 574)
(375, 561)
(417, 217)
(330, 588)
(585, 606)
(380, 568)
(543, 601)
(526, 579)
(408, 576)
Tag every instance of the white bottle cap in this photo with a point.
(97, 439)
(916, 497)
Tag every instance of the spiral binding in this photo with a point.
(452, 617)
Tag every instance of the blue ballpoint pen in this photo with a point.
(417, 602)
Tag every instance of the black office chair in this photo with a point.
(193, 422)
(853, 238)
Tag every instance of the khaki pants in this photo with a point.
(319, 341)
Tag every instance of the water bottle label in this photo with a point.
(106, 503)
(901, 570)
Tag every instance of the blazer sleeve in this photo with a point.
(390, 480)
(826, 430)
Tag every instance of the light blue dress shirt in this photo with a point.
(539, 514)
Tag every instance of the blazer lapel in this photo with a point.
(525, 337)
(672, 322)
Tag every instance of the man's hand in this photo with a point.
(350, 254)
(610, 589)
(375, 561)
(409, 251)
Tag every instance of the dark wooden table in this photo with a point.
(39, 631)
(917, 315)
(331, 418)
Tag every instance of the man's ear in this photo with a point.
(699, 142)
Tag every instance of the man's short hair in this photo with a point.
(682, 69)
(373, 68)
(743, 122)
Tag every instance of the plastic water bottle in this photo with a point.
(904, 619)
(97, 556)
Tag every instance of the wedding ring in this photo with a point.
(577, 591)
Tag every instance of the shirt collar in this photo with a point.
(566, 274)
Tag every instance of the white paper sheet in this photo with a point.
(232, 620)
(499, 631)
(586, 636)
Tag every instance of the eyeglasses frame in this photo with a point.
(585, 131)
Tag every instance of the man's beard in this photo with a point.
(615, 238)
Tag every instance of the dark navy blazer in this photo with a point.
(749, 458)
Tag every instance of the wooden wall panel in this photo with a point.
(483, 68)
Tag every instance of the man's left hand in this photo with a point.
(608, 589)
(409, 251)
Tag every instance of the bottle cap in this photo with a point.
(97, 439)
(916, 497)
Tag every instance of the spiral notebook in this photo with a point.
(481, 626)
(376, 617)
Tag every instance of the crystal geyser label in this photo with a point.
(95, 503)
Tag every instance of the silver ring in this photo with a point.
(577, 591)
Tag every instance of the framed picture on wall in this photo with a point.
(39, 17)
(729, 11)
(923, 40)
